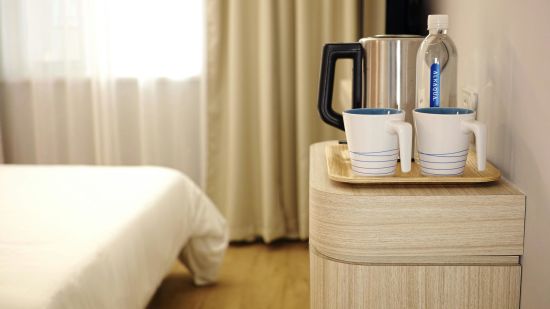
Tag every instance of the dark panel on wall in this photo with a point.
(406, 17)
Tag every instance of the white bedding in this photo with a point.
(101, 237)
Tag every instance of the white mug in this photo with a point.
(443, 139)
(375, 137)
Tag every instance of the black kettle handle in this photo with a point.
(331, 53)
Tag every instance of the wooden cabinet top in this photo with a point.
(354, 222)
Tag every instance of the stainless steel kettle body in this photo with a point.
(384, 74)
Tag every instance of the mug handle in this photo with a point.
(404, 134)
(480, 131)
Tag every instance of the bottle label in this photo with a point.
(434, 85)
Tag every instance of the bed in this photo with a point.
(101, 237)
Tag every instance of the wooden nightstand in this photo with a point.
(413, 246)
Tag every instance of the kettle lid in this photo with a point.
(395, 36)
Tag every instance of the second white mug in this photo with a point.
(443, 140)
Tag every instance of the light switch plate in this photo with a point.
(470, 98)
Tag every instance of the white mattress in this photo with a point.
(101, 237)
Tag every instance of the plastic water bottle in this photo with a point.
(436, 66)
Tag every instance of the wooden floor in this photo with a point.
(252, 276)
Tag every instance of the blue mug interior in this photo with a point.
(444, 110)
(373, 111)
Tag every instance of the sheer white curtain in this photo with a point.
(102, 82)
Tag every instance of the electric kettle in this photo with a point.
(384, 74)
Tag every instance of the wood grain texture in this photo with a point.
(319, 181)
(424, 260)
(339, 169)
(252, 276)
(419, 226)
(341, 285)
(428, 220)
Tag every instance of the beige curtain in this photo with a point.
(263, 61)
(1, 143)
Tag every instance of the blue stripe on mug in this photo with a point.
(371, 152)
(374, 168)
(441, 169)
(424, 161)
(370, 161)
(375, 155)
(456, 153)
(390, 155)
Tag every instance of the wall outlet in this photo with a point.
(469, 98)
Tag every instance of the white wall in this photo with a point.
(504, 53)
